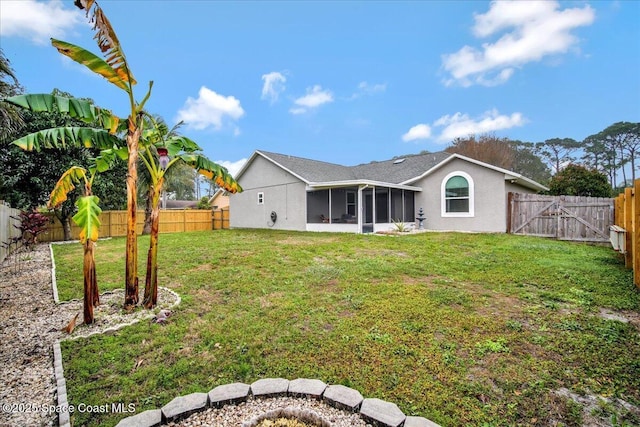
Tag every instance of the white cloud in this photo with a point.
(365, 88)
(232, 167)
(297, 110)
(273, 85)
(417, 132)
(530, 31)
(37, 21)
(210, 109)
(370, 89)
(315, 97)
(460, 125)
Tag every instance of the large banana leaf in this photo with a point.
(213, 171)
(96, 64)
(107, 158)
(65, 185)
(178, 144)
(64, 137)
(107, 41)
(77, 108)
(87, 218)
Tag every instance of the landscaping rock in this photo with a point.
(151, 418)
(381, 413)
(342, 397)
(303, 387)
(270, 387)
(228, 393)
(183, 406)
(419, 422)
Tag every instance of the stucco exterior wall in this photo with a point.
(490, 199)
(282, 192)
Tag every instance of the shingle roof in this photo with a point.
(312, 170)
(392, 171)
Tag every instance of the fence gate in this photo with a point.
(584, 219)
(221, 219)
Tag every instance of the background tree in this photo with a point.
(576, 180)
(26, 179)
(625, 138)
(527, 162)
(487, 148)
(557, 151)
(598, 156)
(180, 182)
(10, 116)
(512, 155)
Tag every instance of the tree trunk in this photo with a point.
(66, 228)
(151, 280)
(131, 269)
(147, 213)
(91, 295)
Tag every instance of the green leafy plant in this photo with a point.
(400, 226)
(203, 203)
(492, 346)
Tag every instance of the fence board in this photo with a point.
(628, 217)
(8, 230)
(574, 218)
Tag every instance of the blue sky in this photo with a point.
(344, 81)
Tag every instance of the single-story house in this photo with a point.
(219, 200)
(456, 193)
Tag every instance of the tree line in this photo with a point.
(591, 167)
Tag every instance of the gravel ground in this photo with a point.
(251, 412)
(31, 322)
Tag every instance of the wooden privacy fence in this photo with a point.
(8, 230)
(221, 219)
(583, 219)
(626, 217)
(114, 223)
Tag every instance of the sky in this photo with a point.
(347, 82)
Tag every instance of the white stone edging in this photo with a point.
(54, 285)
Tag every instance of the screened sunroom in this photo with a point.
(360, 208)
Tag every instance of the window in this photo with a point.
(261, 198)
(457, 195)
(351, 203)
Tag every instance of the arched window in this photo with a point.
(457, 194)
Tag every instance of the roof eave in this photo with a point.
(509, 176)
(266, 157)
(360, 182)
(515, 178)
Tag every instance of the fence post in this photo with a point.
(509, 211)
(635, 238)
(628, 225)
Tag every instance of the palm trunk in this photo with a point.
(147, 213)
(151, 281)
(131, 269)
(91, 295)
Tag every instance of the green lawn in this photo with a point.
(463, 329)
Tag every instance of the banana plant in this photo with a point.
(163, 150)
(87, 218)
(115, 69)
